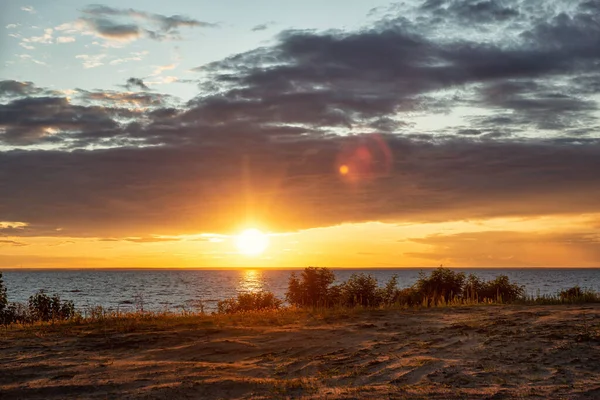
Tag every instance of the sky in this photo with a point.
(352, 133)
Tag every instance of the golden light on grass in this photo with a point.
(252, 242)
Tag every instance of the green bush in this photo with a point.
(389, 293)
(571, 293)
(442, 285)
(578, 295)
(360, 289)
(312, 288)
(45, 308)
(408, 297)
(249, 302)
(501, 290)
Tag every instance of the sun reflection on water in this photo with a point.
(251, 280)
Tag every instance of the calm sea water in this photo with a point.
(184, 289)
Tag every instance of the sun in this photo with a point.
(252, 242)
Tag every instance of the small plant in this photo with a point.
(360, 289)
(501, 290)
(312, 288)
(45, 308)
(441, 286)
(389, 293)
(249, 302)
(571, 293)
(579, 295)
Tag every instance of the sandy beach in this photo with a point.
(483, 352)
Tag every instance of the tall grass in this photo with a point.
(310, 293)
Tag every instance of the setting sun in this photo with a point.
(252, 242)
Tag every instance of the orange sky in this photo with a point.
(551, 241)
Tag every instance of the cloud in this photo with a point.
(262, 27)
(28, 9)
(134, 56)
(512, 248)
(511, 129)
(28, 57)
(12, 243)
(116, 24)
(11, 88)
(91, 61)
(136, 83)
(65, 39)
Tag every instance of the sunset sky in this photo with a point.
(353, 133)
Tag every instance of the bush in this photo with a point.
(312, 289)
(473, 288)
(389, 293)
(501, 290)
(498, 290)
(571, 293)
(578, 295)
(249, 302)
(45, 308)
(408, 297)
(360, 289)
(441, 286)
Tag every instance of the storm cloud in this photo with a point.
(266, 135)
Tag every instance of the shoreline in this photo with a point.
(475, 352)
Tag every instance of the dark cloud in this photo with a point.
(136, 83)
(267, 134)
(113, 30)
(262, 27)
(127, 24)
(290, 185)
(472, 11)
(10, 88)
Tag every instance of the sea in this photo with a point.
(181, 290)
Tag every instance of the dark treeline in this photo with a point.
(314, 288)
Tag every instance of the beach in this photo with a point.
(476, 352)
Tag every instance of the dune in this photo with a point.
(478, 352)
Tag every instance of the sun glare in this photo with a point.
(252, 242)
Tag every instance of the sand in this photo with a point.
(483, 352)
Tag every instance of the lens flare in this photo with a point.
(364, 157)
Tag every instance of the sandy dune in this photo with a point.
(543, 352)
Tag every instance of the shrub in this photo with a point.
(501, 289)
(249, 302)
(360, 289)
(389, 293)
(312, 289)
(571, 293)
(15, 313)
(45, 308)
(442, 285)
(409, 297)
(473, 288)
(578, 295)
